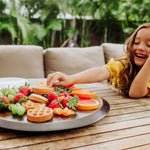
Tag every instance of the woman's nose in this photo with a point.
(141, 46)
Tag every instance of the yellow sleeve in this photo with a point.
(148, 85)
(115, 68)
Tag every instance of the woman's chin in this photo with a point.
(139, 62)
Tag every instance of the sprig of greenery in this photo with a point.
(26, 84)
(60, 89)
(22, 100)
(60, 102)
(72, 103)
(3, 104)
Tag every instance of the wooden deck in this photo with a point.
(126, 126)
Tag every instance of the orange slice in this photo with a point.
(87, 104)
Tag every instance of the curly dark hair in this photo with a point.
(130, 69)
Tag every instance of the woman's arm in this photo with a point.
(138, 87)
(96, 74)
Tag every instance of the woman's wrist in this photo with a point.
(74, 79)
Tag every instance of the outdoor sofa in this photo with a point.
(29, 61)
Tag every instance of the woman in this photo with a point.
(130, 74)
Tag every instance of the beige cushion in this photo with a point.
(112, 51)
(21, 61)
(72, 60)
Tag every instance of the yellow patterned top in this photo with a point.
(115, 68)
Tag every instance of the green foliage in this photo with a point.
(2, 6)
(38, 23)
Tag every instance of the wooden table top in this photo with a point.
(126, 126)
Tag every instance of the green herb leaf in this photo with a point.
(60, 102)
(22, 100)
(72, 103)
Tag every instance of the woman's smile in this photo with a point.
(139, 59)
(141, 47)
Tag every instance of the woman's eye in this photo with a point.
(148, 44)
(136, 43)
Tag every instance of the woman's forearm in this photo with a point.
(96, 74)
(138, 87)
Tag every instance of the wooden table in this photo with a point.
(126, 126)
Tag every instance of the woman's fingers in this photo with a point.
(52, 78)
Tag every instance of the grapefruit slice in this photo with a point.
(83, 94)
(87, 104)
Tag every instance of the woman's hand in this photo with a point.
(59, 79)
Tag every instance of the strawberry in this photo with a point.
(54, 104)
(52, 96)
(62, 94)
(66, 100)
(6, 99)
(70, 102)
(25, 90)
(65, 94)
(19, 96)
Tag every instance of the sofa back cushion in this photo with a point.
(21, 61)
(112, 50)
(72, 60)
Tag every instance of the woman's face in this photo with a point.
(141, 46)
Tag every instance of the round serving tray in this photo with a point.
(82, 118)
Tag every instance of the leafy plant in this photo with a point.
(111, 21)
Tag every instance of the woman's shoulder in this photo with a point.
(119, 62)
(116, 65)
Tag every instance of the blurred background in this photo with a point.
(73, 23)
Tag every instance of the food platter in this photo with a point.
(80, 119)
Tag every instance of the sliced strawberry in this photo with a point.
(25, 90)
(52, 96)
(19, 96)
